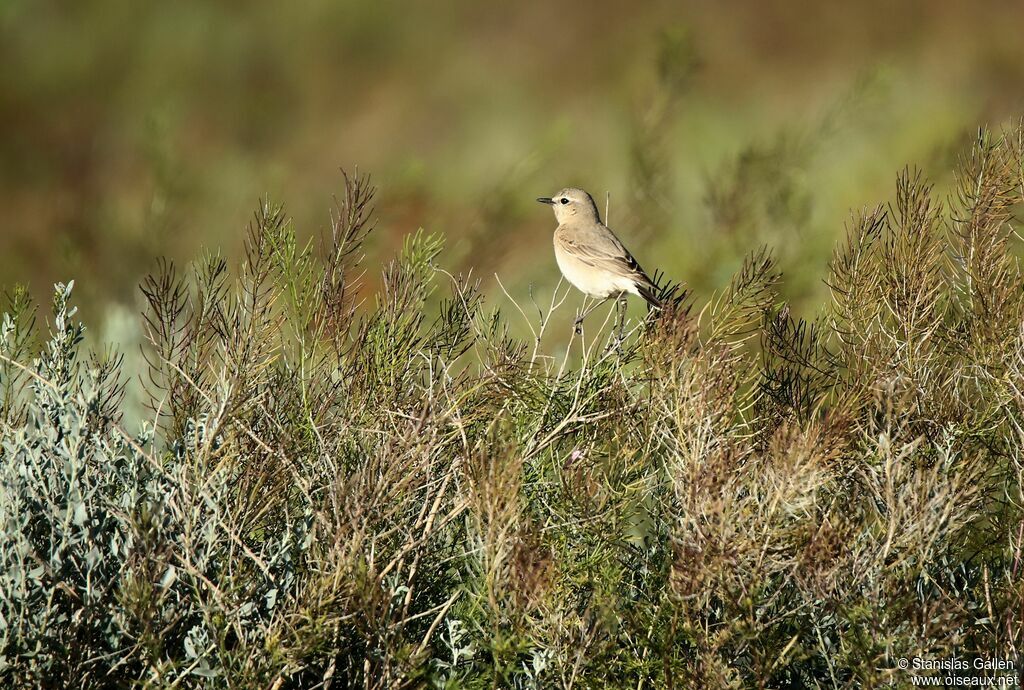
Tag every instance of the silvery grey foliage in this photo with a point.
(69, 481)
(110, 568)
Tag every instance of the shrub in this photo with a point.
(329, 495)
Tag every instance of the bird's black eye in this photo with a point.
(564, 200)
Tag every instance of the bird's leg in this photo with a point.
(621, 309)
(579, 319)
(619, 334)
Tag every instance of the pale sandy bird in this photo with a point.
(591, 257)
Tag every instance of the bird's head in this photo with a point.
(572, 204)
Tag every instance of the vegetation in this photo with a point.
(335, 494)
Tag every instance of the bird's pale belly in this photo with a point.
(590, 280)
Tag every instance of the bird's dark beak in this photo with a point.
(546, 200)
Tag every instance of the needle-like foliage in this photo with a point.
(395, 493)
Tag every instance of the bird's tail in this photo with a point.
(646, 291)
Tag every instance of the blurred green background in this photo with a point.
(135, 129)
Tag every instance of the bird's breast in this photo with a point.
(589, 279)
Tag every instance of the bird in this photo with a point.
(591, 257)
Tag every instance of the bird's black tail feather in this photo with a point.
(647, 292)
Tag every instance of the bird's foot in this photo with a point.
(614, 345)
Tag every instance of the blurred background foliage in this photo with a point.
(136, 129)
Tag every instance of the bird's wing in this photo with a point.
(600, 248)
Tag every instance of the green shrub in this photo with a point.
(336, 494)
